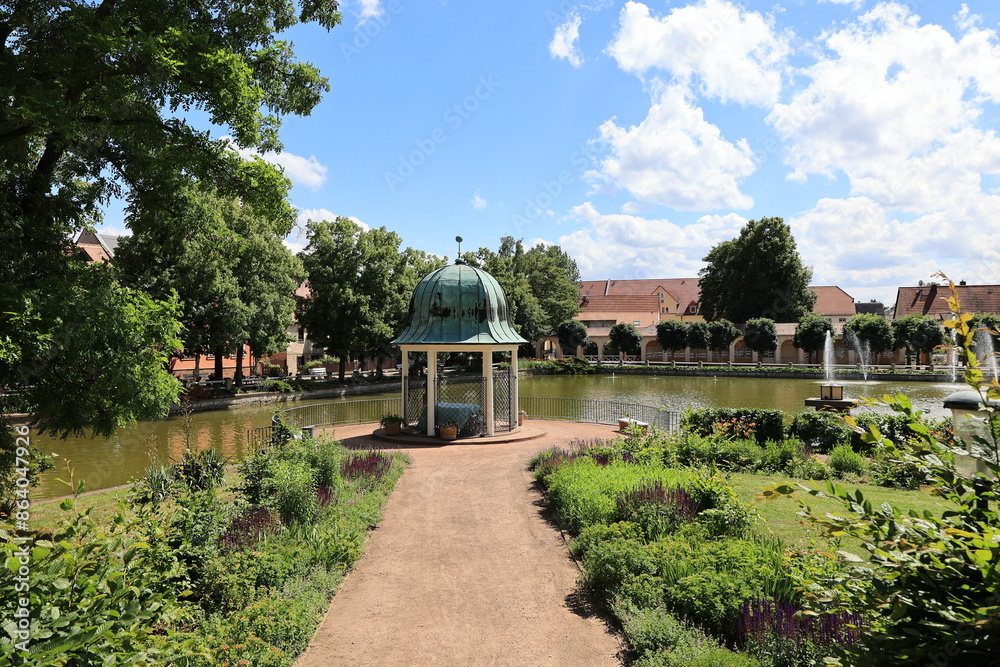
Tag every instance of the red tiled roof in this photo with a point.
(95, 252)
(831, 300)
(933, 300)
(685, 291)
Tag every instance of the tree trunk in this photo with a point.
(343, 366)
(219, 353)
(238, 373)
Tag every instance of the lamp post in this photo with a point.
(971, 423)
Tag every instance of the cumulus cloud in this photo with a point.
(855, 4)
(309, 171)
(895, 105)
(370, 9)
(676, 158)
(714, 46)
(629, 246)
(564, 41)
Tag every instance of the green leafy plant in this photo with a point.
(846, 461)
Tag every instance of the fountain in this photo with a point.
(828, 357)
(861, 348)
(985, 353)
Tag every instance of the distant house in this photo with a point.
(644, 303)
(932, 300)
(99, 247)
(872, 307)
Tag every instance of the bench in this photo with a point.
(625, 422)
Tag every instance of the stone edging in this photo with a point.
(264, 398)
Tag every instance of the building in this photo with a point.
(932, 300)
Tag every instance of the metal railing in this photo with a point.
(600, 412)
(372, 410)
(341, 412)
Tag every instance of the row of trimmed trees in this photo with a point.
(916, 334)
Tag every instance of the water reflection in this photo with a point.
(114, 461)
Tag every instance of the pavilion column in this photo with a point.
(514, 394)
(488, 374)
(432, 371)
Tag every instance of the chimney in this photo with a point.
(962, 283)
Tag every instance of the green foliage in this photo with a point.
(758, 274)
(810, 333)
(822, 431)
(874, 330)
(699, 335)
(200, 471)
(760, 335)
(280, 386)
(568, 366)
(762, 424)
(722, 334)
(572, 334)
(94, 591)
(672, 335)
(846, 461)
(917, 333)
(625, 337)
(293, 490)
(931, 586)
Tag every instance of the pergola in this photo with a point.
(460, 308)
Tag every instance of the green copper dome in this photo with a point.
(459, 304)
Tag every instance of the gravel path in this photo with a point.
(465, 570)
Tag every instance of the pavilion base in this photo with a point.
(831, 405)
(527, 432)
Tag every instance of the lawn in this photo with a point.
(783, 516)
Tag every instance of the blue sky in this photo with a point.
(637, 135)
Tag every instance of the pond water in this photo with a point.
(105, 463)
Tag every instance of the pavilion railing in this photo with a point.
(340, 412)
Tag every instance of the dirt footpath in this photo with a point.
(465, 570)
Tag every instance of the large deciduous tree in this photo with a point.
(810, 334)
(572, 334)
(722, 334)
(360, 283)
(699, 336)
(94, 104)
(917, 333)
(625, 338)
(757, 274)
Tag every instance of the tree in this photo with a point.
(625, 338)
(810, 334)
(672, 335)
(699, 336)
(94, 105)
(917, 333)
(871, 331)
(555, 281)
(233, 274)
(722, 333)
(758, 274)
(359, 281)
(572, 334)
(761, 335)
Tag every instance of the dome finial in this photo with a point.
(459, 260)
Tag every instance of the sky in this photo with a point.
(638, 135)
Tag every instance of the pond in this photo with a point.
(105, 463)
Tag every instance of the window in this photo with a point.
(842, 319)
(636, 323)
(301, 335)
(693, 309)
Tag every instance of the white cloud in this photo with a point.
(895, 105)
(676, 158)
(301, 170)
(370, 9)
(628, 246)
(478, 202)
(714, 46)
(855, 4)
(564, 41)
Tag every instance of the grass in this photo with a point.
(785, 522)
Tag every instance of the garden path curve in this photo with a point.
(465, 570)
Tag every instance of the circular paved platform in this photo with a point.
(528, 431)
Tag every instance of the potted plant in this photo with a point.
(520, 417)
(447, 430)
(392, 424)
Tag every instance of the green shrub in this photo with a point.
(763, 425)
(778, 456)
(280, 386)
(283, 622)
(155, 485)
(200, 471)
(293, 491)
(846, 461)
(821, 431)
(599, 532)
